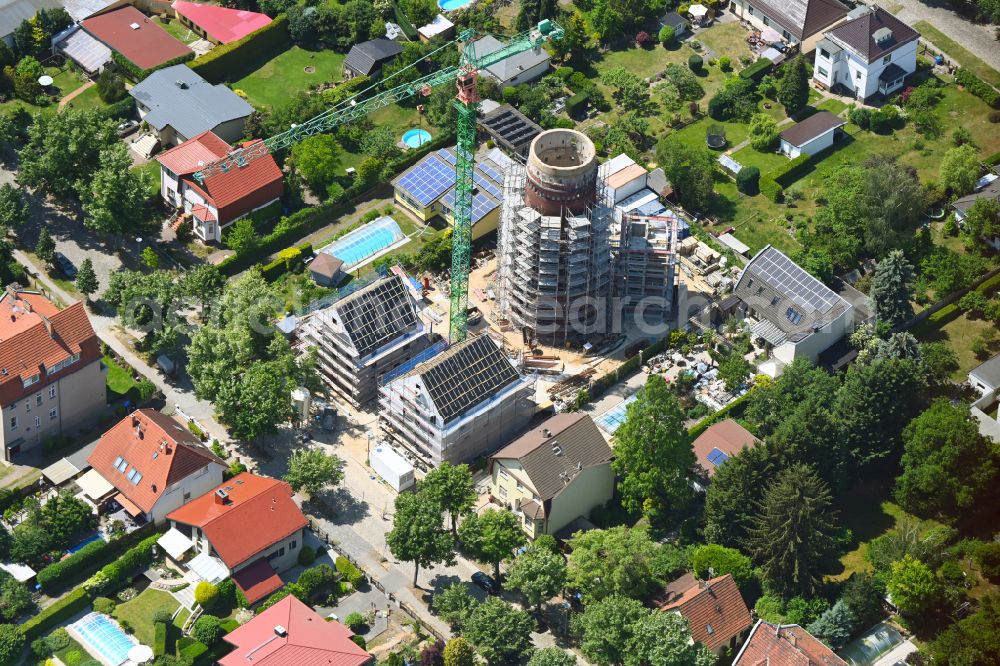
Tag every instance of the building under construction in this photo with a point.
(555, 274)
(364, 334)
(455, 404)
(646, 250)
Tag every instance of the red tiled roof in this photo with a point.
(307, 640)
(715, 610)
(158, 446)
(221, 23)
(257, 580)
(202, 213)
(146, 47)
(784, 645)
(728, 436)
(34, 335)
(258, 512)
(194, 153)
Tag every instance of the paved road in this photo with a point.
(979, 39)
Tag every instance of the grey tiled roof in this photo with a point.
(178, 97)
(508, 68)
(366, 57)
(992, 190)
(859, 34)
(988, 372)
(803, 18)
(13, 12)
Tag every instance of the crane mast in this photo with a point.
(465, 76)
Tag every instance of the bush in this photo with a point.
(317, 580)
(82, 563)
(306, 556)
(977, 87)
(725, 64)
(207, 629)
(987, 557)
(104, 605)
(576, 105)
(354, 621)
(125, 567)
(993, 116)
(667, 35)
(54, 615)
(163, 615)
(861, 116)
(883, 120)
(159, 638)
(206, 594)
(353, 575)
(11, 643)
(258, 46)
(770, 189)
(748, 180)
(695, 62)
(359, 641)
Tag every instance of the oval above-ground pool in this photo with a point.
(415, 138)
(451, 5)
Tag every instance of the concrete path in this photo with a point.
(79, 91)
(978, 39)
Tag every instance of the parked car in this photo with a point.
(65, 265)
(485, 582)
(328, 422)
(127, 127)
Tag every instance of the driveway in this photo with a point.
(979, 39)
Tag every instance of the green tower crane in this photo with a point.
(465, 75)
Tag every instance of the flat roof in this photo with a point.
(137, 37)
(625, 176)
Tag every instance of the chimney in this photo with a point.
(792, 638)
(221, 496)
(546, 433)
(280, 630)
(48, 324)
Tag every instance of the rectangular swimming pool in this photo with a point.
(610, 420)
(361, 244)
(102, 636)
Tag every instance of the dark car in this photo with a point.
(329, 420)
(65, 265)
(484, 581)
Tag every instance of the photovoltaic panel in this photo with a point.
(486, 184)
(805, 290)
(717, 457)
(427, 180)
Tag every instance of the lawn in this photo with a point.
(963, 57)
(960, 333)
(398, 119)
(726, 39)
(139, 612)
(178, 30)
(285, 75)
(119, 380)
(694, 134)
(834, 106)
(63, 82)
(765, 161)
(88, 99)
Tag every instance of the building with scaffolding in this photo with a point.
(554, 278)
(364, 334)
(455, 404)
(647, 267)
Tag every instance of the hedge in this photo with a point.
(279, 266)
(159, 638)
(712, 419)
(259, 46)
(85, 561)
(56, 614)
(137, 74)
(193, 651)
(790, 171)
(770, 189)
(125, 567)
(353, 574)
(978, 87)
(120, 109)
(993, 159)
(757, 70)
(577, 104)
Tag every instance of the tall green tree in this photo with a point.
(64, 149)
(500, 632)
(458, 652)
(317, 158)
(607, 21)
(13, 208)
(454, 603)
(451, 486)
(606, 628)
(982, 223)
(763, 132)
(45, 247)
(728, 515)
(959, 169)
(204, 282)
(86, 278)
(417, 534)
(971, 640)
(653, 452)
(619, 560)
(313, 469)
(539, 574)
(793, 86)
(794, 531)
(664, 639)
(576, 46)
(491, 537)
(712, 560)
(835, 626)
(552, 656)
(630, 91)
(891, 290)
(914, 589)
(114, 196)
(691, 171)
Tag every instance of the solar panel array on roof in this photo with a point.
(784, 275)
(510, 125)
(717, 457)
(378, 314)
(467, 375)
(428, 179)
(482, 205)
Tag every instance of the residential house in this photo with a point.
(368, 58)
(812, 135)
(289, 632)
(720, 442)
(458, 405)
(88, 52)
(223, 197)
(510, 129)
(155, 464)
(869, 55)
(14, 12)
(784, 644)
(990, 190)
(248, 528)
(363, 335)
(220, 25)
(179, 105)
(554, 474)
(985, 379)
(84, 9)
(796, 315)
(51, 376)
(525, 67)
(139, 39)
(800, 22)
(714, 609)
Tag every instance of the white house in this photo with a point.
(812, 135)
(523, 67)
(798, 21)
(870, 54)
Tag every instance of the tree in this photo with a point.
(114, 197)
(734, 371)
(971, 640)
(763, 132)
(938, 478)
(539, 573)
(982, 223)
(111, 86)
(86, 278)
(619, 560)
(207, 629)
(313, 469)
(684, 81)
(417, 535)
(630, 91)
(454, 603)
(64, 149)
(664, 639)
(551, 656)
(736, 101)
(500, 632)
(451, 486)
(863, 598)
(576, 45)
(458, 652)
(794, 531)
(45, 247)
(667, 36)
(242, 236)
(204, 282)
(606, 628)
(14, 598)
(317, 158)
(13, 208)
(834, 627)
(259, 400)
(491, 537)
(890, 291)
(12, 642)
(959, 170)
(728, 516)
(913, 587)
(608, 23)
(653, 452)
(65, 517)
(711, 560)
(380, 143)
(149, 258)
(691, 171)
(793, 86)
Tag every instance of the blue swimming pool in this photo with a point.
(450, 5)
(91, 539)
(359, 245)
(415, 138)
(610, 420)
(101, 635)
